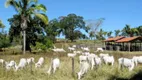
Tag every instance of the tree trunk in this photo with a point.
(24, 41)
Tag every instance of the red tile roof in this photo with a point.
(114, 39)
(128, 39)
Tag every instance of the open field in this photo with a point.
(105, 72)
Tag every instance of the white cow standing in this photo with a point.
(108, 59)
(55, 63)
(137, 59)
(2, 61)
(125, 62)
(84, 67)
(91, 60)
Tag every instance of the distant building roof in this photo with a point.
(128, 39)
(114, 39)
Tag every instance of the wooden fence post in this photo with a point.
(31, 67)
(73, 66)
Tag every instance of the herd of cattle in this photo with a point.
(87, 61)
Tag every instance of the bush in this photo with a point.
(43, 45)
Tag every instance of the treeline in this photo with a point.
(127, 31)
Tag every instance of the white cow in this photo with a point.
(2, 61)
(77, 52)
(99, 49)
(85, 53)
(55, 63)
(82, 58)
(71, 48)
(125, 62)
(11, 64)
(90, 59)
(71, 55)
(108, 59)
(29, 60)
(97, 61)
(84, 67)
(102, 55)
(85, 48)
(59, 50)
(137, 59)
(39, 63)
(74, 46)
(22, 64)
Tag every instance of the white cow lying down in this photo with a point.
(55, 63)
(84, 67)
(125, 62)
(40, 62)
(137, 59)
(59, 50)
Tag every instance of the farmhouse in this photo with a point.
(121, 43)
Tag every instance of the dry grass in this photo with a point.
(105, 72)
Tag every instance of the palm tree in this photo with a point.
(127, 31)
(139, 31)
(91, 34)
(109, 34)
(117, 32)
(2, 26)
(27, 9)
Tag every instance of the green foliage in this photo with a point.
(30, 17)
(71, 25)
(109, 34)
(117, 32)
(47, 43)
(1, 24)
(128, 31)
(4, 40)
(53, 29)
(101, 35)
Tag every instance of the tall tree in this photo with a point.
(91, 34)
(53, 29)
(71, 24)
(101, 35)
(27, 9)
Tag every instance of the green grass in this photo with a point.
(105, 72)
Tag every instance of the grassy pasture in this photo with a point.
(105, 72)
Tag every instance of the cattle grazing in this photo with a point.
(55, 63)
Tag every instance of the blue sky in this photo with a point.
(117, 13)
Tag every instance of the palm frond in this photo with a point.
(41, 7)
(14, 4)
(43, 17)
